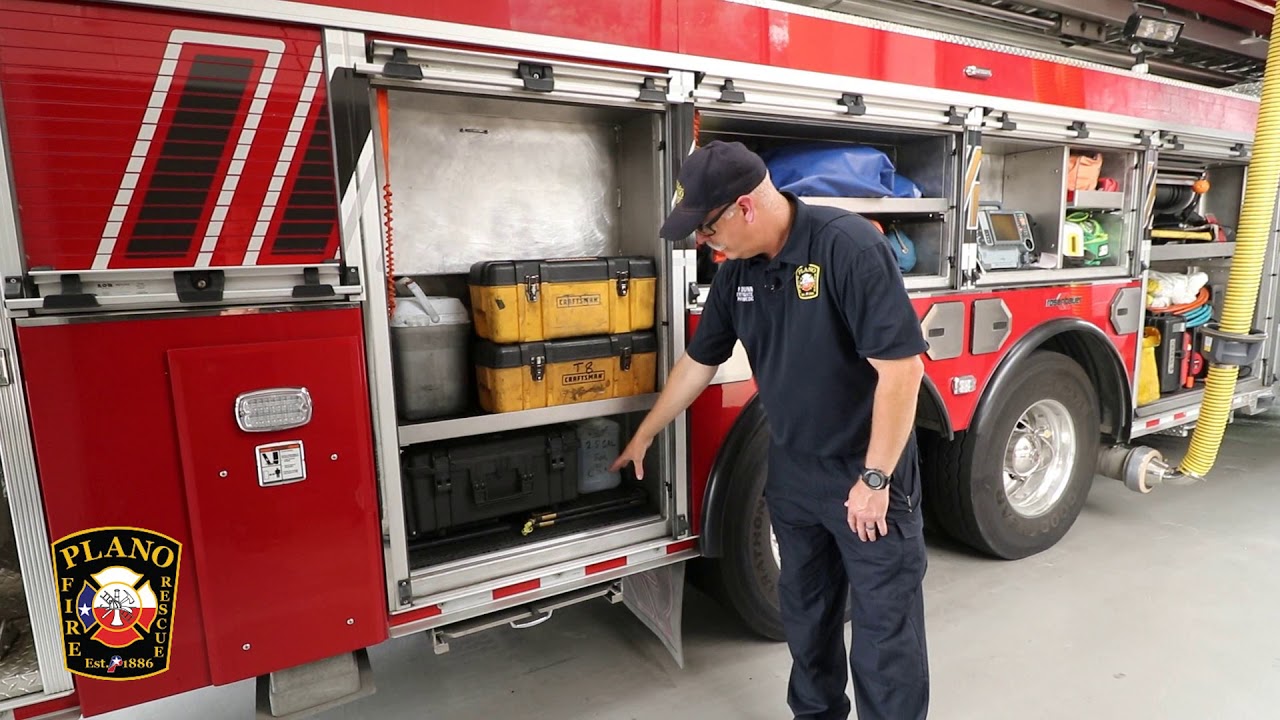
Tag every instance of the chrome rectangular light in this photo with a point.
(273, 409)
(1157, 31)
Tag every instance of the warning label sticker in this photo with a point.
(281, 462)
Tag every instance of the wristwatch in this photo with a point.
(875, 479)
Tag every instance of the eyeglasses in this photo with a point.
(706, 229)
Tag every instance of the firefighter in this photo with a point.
(817, 299)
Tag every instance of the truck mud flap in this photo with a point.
(657, 598)
(317, 687)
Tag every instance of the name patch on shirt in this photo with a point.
(807, 277)
(746, 293)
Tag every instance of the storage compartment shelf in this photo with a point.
(501, 422)
(1192, 251)
(1095, 200)
(872, 206)
(588, 513)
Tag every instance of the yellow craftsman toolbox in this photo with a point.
(560, 372)
(515, 301)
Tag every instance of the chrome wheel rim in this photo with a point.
(773, 545)
(1039, 458)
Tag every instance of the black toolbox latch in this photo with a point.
(624, 282)
(626, 358)
(532, 284)
(440, 465)
(195, 286)
(555, 451)
(72, 295)
(311, 286)
(539, 78)
(538, 367)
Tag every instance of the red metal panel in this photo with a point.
(711, 417)
(107, 451)
(32, 712)
(637, 23)
(807, 43)
(734, 31)
(1030, 307)
(310, 549)
(117, 151)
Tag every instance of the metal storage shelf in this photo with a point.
(1096, 200)
(872, 206)
(1192, 251)
(500, 422)
(1172, 402)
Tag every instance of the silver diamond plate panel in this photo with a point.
(19, 669)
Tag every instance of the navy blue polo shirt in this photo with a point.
(809, 319)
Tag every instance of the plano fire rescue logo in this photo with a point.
(116, 590)
(807, 281)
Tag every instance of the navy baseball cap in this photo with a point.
(714, 175)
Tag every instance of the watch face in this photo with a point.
(874, 479)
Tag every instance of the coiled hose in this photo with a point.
(1252, 236)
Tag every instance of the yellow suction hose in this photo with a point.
(1252, 236)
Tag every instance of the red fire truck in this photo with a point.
(322, 320)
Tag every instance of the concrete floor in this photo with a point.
(1162, 606)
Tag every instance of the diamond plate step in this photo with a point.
(19, 669)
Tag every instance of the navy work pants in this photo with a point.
(823, 561)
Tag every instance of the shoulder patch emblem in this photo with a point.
(807, 281)
(116, 590)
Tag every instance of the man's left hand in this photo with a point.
(867, 510)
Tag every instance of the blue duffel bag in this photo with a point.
(826, 170)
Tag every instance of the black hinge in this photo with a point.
(538, 367)
(624, 282)
(626, 358)
(311, 286)
(1175, 144)
(400, 68)
(540, 78)
(1238, 149)
(72, 295)
(1082, 129)
(1006, 123)
(13, 287)
(729, 95)
(532, 283)
(1144, 137)
(405, 590)
(199, 285)
(649, 91)
(854, 104)
(682, 526)
(954, 117)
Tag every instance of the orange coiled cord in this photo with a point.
(384, 122)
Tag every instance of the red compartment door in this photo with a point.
(298, 528)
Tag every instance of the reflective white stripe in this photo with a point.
(300, 114)
(155, 107)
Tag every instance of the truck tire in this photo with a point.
(745, 578)
(1013, 483)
